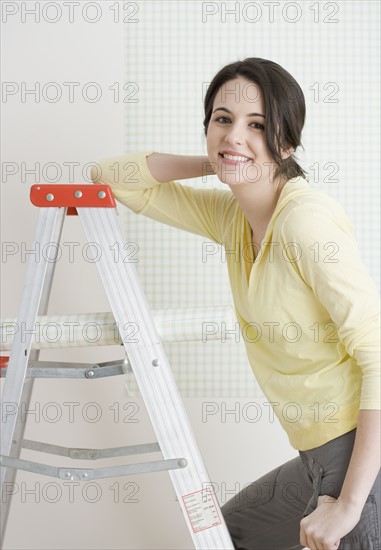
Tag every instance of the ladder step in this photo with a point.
(4, 360)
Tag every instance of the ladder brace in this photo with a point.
(84, 474)
(89, 371)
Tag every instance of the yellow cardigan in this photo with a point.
(308, 311)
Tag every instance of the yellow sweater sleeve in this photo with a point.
(203, 211)
(326, 256)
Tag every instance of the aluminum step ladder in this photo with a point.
(96, 208)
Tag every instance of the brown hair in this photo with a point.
(284, 104)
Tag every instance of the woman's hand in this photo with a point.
(328, 523)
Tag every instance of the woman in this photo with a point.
(307, 308)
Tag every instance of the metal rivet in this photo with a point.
(155, 362)
(90, 374)
(84, 475)
(101, 194)
(182, 462)
(78, 194)
(49, 197)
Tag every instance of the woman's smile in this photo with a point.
(231, 159)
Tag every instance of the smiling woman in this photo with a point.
(254, 115)
(270, 94)
(250, 153)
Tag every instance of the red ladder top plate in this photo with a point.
(72, 195)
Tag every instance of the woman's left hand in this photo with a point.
(327, 524)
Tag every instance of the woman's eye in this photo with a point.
(256, 125)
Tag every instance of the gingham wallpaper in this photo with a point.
(172, 51)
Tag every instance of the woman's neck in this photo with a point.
(258, 202)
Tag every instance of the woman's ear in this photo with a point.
(287, 152)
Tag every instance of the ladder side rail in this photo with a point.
(154, 375)
(17, 387)
(10, 473)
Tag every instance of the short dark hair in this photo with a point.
(284, 103)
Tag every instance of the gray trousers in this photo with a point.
(266, 514)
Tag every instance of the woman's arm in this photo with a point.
(165, 167)
(333, 518)
(142, 182)
(365, 461)
(344, 287)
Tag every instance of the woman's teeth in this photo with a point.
(237, 159)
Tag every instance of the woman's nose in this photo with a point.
(234, 135)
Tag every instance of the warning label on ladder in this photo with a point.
(201, 509)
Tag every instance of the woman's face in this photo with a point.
(236, 130)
